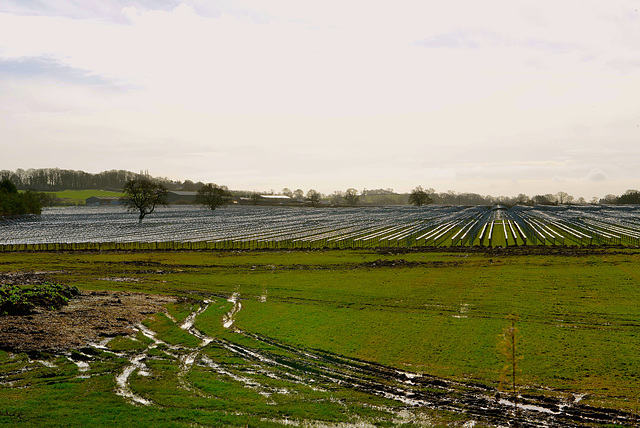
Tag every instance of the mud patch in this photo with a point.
(27, 278)
(90, 317)
(120, 279)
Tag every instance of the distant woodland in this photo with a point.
(55, 179)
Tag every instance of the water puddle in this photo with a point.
(530, 407)
(120, 279)
(229, 318)
(191, 319)
(83, 366)
(123, 390)
(250, 383)
(462, 311)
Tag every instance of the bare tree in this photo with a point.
(298, 194)
(564, 198)
(255, 198)
(336, 197)
(313, 197)
(419, 197)
(143, 195)
(351, 196)
(213, 196)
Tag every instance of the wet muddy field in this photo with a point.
(266, 366)
(382, 337)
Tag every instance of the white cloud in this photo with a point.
(597, 175)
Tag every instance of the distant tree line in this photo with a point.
(629, 197)
(55, 179)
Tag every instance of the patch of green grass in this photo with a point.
(123, 343)
(181, 310)
(79, 196)
(210, 321)
(169, 332)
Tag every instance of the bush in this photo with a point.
(15, 300)
(12, 202)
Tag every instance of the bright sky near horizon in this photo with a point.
(491, 97)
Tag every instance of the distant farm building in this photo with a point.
(102, 200)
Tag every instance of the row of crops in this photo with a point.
(188, 227)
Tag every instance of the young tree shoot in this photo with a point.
(508, 347)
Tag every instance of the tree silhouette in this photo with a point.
(351, 196)
(213, 196)
(313, 197)
(419, 197)
(144, 196)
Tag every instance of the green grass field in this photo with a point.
(435, 313)
(79, 197)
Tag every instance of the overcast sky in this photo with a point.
(491, 97)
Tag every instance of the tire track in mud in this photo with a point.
(324, 371)
(412, 389)
(418, 390)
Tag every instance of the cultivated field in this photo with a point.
(242, 227)
(348, 338)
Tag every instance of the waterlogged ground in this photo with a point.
(167, 371)
(261, 339)
(170, 365)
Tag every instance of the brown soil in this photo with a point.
(536, 250)
(89, 317)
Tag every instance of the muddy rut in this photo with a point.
(323, 370)
(320, 371)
